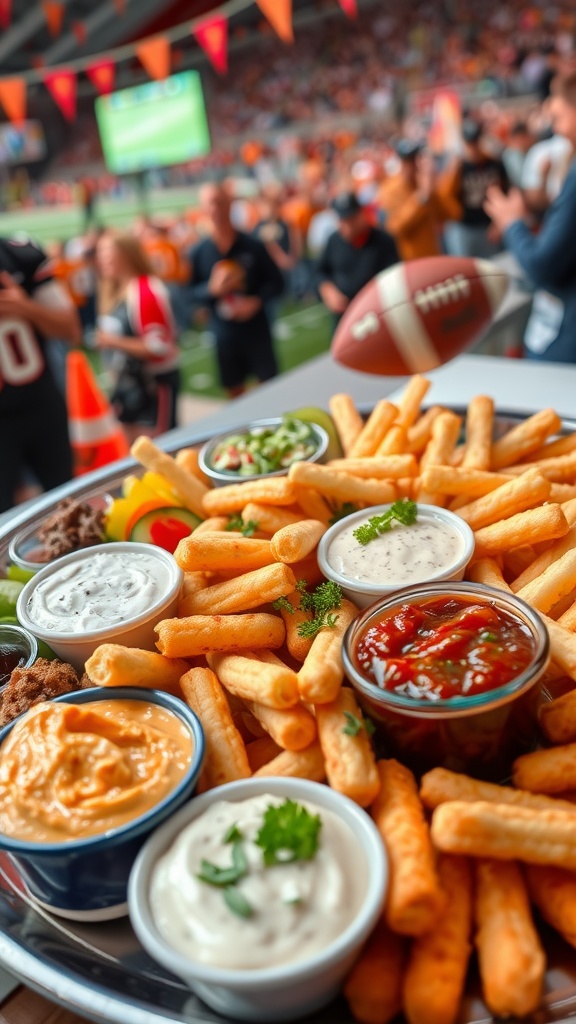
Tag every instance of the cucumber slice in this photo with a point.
(311, 414)
(164, 527)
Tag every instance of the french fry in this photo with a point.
(558, 718)
(517, 560)
(261, 751)
(543, 561)
(255, 679)
(269, 518)
(373, 988)
(411, 400)
(547, 522)
(512, 497)
(486, 570)
(225, 758)
(503, 832)
(415, 898)
(189, 488)
(550, 450)
(192, 583)
(276, 490)
(313, 505)
(187, 459)
(560, 470)
(348, 755)
(378, 467)
(438, 961)
(297, 541)
(457, 480)
(510, 955)
(296, 764)
(420, 432)
(199, 634)
(555, 582)
(479, 430)
(215, 524)
(214, 552)
(553, 891)
(395, 442)
(347, 420)
(374, 430)
(546, 771)
(527, 437)
(341, 486)
(439, 451)
(562, 492)
(309, 570)
(568, 618)
(321, 675)
(115, 665)
(297, 645)
(291, 729)
(241, 594)
(439, 785)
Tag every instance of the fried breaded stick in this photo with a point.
(374, 986)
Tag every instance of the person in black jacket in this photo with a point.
(234, 276)
(352, 256)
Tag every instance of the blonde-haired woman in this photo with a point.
(136, 321)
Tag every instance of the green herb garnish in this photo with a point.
(369, 727)
(322, 602)
(237, 902)
(404, 512)
(289, 833)
(236, 522)
(282, 604)
(341, 511)
(489, 637)
(232, 834)
(353, 725)
(213, 874)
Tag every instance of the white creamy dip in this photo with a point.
(404, 554)
(100, 590)
(299, 907)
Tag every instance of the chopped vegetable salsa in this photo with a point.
(265, 449)
(444, 647)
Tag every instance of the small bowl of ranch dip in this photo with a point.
(379, 550)
(109, 593)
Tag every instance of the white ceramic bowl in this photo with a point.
(364, 594)
(132, 631)
(276, 993)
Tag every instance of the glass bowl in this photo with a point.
(221, 477)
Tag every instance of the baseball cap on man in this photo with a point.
(346, 204)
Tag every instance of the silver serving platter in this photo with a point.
(100, 971)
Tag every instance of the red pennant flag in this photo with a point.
(212, 35)
(350, 7)
(62, 87)
(80, 31)
(5, 13)
(102, 76)
(54, 13)
(154, 54)
(279, 14)
(13, 98)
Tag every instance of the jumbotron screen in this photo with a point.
(154, 125)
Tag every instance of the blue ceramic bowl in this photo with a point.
(87, 879)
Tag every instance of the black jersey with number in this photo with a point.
(25, 376)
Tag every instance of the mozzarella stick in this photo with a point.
(261, 751)
(503, 832)
(440, 785)
(116, 665)
(516, 495)
(562, 646)
(411, 400)
(378, 467)
(457, 480)
(276, 490)
(296, 764)
(188, 487)
(527, 437)
(297, 541)
(558, 580)
(347, 420)
(561, 446)
(342, 486)
(395, 442)
(198, 634)
(322, 673)
(214, 552)
(553, 891)
(510, 956)
(253, 679)
(479, 430)
(415, 898)
(374, 430)
(187, 458)
(560, 470)
(348, 755)
(215, 524)
(241, 594)
(546, 771)
(193, 582)
(568, 618)
(487, 570)
(291, 729)
(309, 570)
(225, 758)
(439, 451)
(547, 522)
(562, 492)
(420, 432)
(438, 961)
(297, 645)
(558, 718)
(269, 518)
(373, 989)
(545, 559)
(313, 505)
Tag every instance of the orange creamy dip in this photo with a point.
(68, 771)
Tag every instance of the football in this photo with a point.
(419, 314)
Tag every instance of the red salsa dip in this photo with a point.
(444, 647)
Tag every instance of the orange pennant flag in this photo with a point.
(54, 13)
(13, 98)
(62, 87)
(279, 14)
(154, 54)
(350, 7)
(102, 76)
(212, 35)
(5, 13)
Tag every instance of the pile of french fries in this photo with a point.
(469, 860)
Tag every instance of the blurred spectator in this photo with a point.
(281, 240)
(514, 153)
(545, 167)
(471, 235)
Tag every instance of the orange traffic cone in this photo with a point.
(95, 435)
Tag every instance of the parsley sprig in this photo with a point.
(236, 522)
(341, 511)
(289, 833)
(354, 725)
(322, 602)
(404, 512)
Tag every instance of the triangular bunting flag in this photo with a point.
(212, 35)
(102, 76)
(5, 13)
(80, 31)
(350, 7)
(154, 54)
(279, 14)
(54, 13)
(62, 87)
(13, 98)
